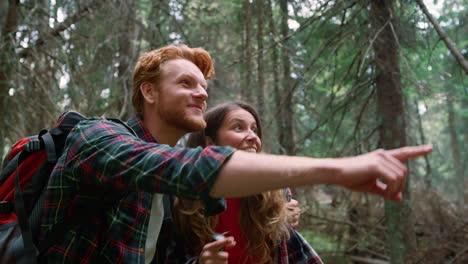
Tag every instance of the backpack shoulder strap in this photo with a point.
(11, 165)
(5, 160)
(167, 204)
(49, 146)
(116, 120)
(29, 250)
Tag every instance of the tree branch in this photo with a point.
(443, 35)
(55, 32)
(365, 260)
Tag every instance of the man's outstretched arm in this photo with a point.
(381, 172)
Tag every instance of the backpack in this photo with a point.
(26, 172)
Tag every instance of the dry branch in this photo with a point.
(443, 35)
(367, 260)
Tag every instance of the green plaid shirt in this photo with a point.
(102, 189)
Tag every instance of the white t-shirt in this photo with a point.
(154, 227)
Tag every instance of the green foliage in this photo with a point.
(320, 241)
(87, 66)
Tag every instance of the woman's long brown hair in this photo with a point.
(262, 217)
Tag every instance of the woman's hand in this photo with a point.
(213, 253)
(293, 213)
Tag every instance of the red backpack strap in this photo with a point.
(29, 251)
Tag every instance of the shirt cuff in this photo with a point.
(215, 206)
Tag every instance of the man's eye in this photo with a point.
(185, 82)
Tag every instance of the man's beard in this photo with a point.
(181, 120)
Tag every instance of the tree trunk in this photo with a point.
(465, 118)
(3, 10)
(287, 103)
(7, 42)
(260, 70)
(126, 59)
(155, 32)
(246, 89)
(465, 145)
(391, 110)
(428, 176)
(43, 87)
(459, 179)
(277, 110)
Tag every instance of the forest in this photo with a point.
(330, 78)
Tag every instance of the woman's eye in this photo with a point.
(185, 82)
(237, 128)
(255, 130)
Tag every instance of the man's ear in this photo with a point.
(209, 141)
(148, 90)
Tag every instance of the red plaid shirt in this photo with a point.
(104, 164)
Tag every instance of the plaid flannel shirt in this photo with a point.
(109, 172)
(296, 250)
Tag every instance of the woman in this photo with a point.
(257, 226)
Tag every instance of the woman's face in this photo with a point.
(239, 130)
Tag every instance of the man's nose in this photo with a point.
(201, 93)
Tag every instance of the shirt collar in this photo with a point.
(137, 125)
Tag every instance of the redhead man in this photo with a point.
(105, 166)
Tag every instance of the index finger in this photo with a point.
(406, 153)
(292, 203)
(227, 242)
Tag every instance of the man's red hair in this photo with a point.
(148, 67)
